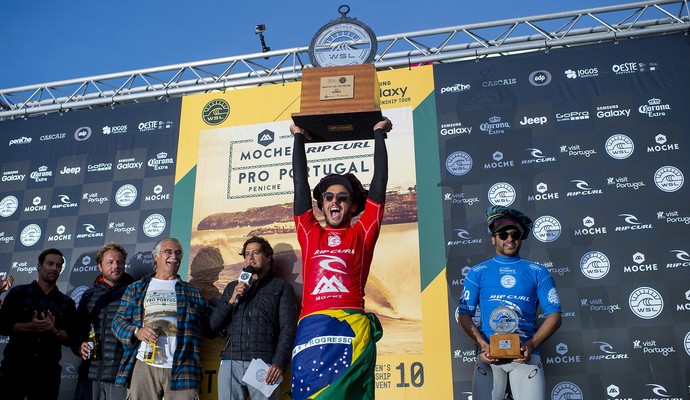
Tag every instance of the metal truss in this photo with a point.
(451, 44)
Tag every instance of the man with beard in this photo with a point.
(260, 322)
(96, 311)
(335, 267)
(38, 318)
(160, 323)
(504, 283)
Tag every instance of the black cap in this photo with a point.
(350, 182)
(499, 218)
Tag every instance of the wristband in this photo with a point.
(135, 331)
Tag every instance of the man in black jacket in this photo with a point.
(96, 310)
(260, 321)
(39, 319)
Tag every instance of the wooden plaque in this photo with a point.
(505, 345)
(339, 103)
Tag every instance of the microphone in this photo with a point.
(246, 277)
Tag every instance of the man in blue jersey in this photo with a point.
(520, 285)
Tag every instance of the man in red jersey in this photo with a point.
(335, 351)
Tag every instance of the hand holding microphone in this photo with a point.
(246, 279)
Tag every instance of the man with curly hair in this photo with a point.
(333, 326)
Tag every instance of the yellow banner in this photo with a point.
(239, 147)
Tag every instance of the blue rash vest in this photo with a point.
(513, 282)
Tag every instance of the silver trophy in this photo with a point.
(504, 344)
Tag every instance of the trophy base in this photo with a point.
(358, 125)
(505, 346)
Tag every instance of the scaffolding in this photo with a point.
(442, 45)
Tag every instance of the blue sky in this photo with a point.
(48, 40)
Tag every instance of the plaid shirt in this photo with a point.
(192, 320)
(35, 348)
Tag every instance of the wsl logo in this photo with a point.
(547, 229)
(8, 206)
(646, 302)
(30, 235)
(566, 390)
(459, 163)
(154, 225)
(669, 179)
(126, 195)
(215, 112)
(502, 194)
(619, 146)
(595, 265)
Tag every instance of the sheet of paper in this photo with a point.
(256, 377)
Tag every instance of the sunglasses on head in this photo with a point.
(515, 235)
(341, 196)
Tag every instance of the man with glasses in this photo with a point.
(509, 281)
(259, 320)
(160, 322)
(334, 328)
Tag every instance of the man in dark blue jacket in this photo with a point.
(96, 311)
(260, 321)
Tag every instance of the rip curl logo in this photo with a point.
(682, 255)
(463, 238)
(537, 157)
(608, 353)
(659, 390)
(646, 302)
(633, 224)
(327, 263)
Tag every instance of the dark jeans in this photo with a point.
(35, 382)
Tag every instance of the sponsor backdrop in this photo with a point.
(588, 141)
(592, 143)
(78, 180)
